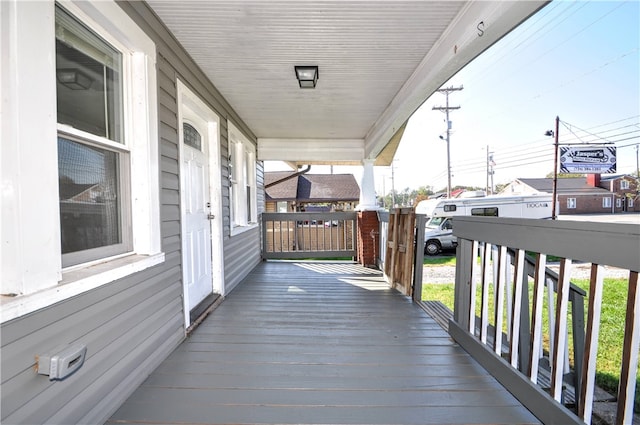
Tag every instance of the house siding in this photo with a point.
(131, 325)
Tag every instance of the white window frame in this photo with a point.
(630, 202)
(624, 184)
(32, 269)
(571, 203)
(606, 202)
(244, 204)
(618, 202)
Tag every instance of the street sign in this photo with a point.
(590, 159)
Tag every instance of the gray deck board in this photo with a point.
(300, 343)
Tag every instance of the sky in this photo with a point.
(578, 60)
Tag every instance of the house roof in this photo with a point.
(576, 185)
(609, 177)
(71, 190)
(312, 187)
(286, 190)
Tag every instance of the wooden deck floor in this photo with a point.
(318, 343)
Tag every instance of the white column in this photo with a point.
(367, 188)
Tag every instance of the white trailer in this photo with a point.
(438, 233)
(525, 206)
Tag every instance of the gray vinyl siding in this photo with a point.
(242, 251)
(131, 325)
(123, 324)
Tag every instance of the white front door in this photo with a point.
(200, 201)
(197, 234)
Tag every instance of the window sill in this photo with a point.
(75, 282)
(236, 230)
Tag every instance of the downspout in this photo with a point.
(299, 173)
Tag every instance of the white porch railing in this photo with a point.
(491, 258)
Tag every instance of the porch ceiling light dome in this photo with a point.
(74, 78)
(307, 76)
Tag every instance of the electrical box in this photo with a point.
(62, 362)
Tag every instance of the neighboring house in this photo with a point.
(626, 188)
(579, 195)
(326, 192)
(173, 106)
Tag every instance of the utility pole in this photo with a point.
(490, 171)
(555, 166)
(446, 110)
(638, 162)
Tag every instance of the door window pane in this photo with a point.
(191, 136)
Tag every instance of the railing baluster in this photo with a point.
(484, 314)
(499, 306)
(626, 389)
(536, 317)
(551, 317)
(516, 305)
(585, 403)
(472, 287)
(560, 334)
(508, 286)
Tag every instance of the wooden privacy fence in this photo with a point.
(399, 255)
(497, 287)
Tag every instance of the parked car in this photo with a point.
(438, 235)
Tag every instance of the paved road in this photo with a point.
(633, 218)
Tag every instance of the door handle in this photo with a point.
(211, 216)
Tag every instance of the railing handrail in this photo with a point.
(311, 215)
(575, 238)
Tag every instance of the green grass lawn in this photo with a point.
(440, 261)
(611, 327)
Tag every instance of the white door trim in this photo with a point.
(185, 97)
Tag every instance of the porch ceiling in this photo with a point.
(378, 62)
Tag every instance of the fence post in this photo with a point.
(421, 221)
(462, 296)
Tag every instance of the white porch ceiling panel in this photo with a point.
(378, 61)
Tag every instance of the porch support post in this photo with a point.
(367, 188)
(368, 224)
(368, 238)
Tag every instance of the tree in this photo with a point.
(565, 176)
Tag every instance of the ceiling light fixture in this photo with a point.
(73, 78)
(307, 76)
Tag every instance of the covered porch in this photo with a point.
(320, 342)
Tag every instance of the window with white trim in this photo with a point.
(618, 202)
(624, 184)
(242, 181)
(606, 202)
(571, 203)
(93, 160)
(630, 202)
(94, 188)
